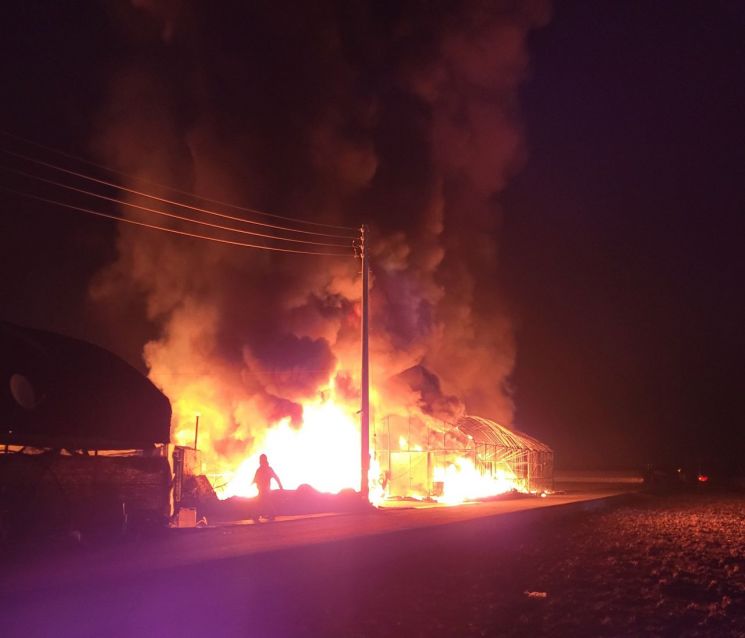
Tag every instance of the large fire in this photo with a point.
(248, 339)
(462, 481)
(323, 452)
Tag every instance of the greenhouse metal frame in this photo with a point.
(409, 469)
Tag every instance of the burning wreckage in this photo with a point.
(473, 458)
(86, 445)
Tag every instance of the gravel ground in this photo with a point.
(653, 565)
(664, 566)
(671, 565)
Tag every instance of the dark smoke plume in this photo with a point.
(402, 115)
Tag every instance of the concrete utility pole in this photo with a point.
(365, 376)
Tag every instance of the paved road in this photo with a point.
(55, 568)
(370, 574)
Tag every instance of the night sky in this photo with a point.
(620, 257)
(623, 244)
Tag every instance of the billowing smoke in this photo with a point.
(401, 115)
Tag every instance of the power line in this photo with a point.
(167, 214)
(176, 190)
(164, 200)
(170, 230)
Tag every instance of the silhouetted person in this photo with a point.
(263, 480)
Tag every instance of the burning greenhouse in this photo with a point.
(453, 462)
(413, 457)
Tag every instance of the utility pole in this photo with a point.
(365, 376)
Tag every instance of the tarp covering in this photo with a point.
(56, 391)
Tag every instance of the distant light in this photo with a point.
(702, 478)
(543, 495)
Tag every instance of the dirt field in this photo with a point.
(660, 566)
(664, 566)
(670, 565)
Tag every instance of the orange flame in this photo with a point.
(462, 481)
(322, 452)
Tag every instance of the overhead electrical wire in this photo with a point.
(172, 215)
(165, 200)
(171, 230)
(176, 190)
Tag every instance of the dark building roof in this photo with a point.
(56, 391)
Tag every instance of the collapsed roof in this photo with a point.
(60, 392)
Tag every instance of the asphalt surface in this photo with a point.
(269, 579)
(58, 566)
